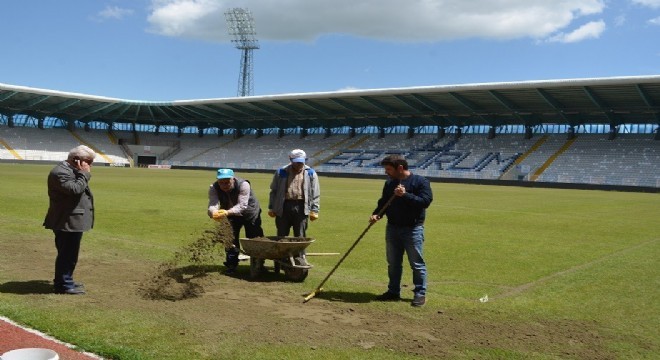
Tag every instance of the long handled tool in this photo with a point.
(320, 287)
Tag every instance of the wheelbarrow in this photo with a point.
(286, 252)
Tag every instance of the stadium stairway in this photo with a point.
(523, 156)
(11, 150)
(551, 159)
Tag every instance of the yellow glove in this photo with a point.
(271, 213)
(219, 214)
(313, 216)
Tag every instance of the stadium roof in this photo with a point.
(615, 100)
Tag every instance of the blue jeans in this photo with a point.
(408, 239)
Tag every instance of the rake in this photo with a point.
(320, 287)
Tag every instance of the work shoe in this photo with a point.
(388, 296)
(419, 300)
(70, 291)
(75, 285)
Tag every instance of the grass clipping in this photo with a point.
(183, 276)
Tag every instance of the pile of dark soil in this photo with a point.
(182, 277)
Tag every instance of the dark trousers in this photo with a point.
(252, 229)
(293, 216)
(68, 247)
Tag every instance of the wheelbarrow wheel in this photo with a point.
(296, 274)
(256, 267)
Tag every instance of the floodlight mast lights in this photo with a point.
(241, 28)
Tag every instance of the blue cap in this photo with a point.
(225, 173)
(297, 155)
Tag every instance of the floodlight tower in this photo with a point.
(241, 27)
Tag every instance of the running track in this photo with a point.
(14, 336)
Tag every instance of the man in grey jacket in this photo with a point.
(70, 213)
(294, 196)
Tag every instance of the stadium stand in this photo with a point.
(598, 132)
(628, 160)
(632, 160)
(25, 143)
(267, 152)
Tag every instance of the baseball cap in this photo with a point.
(225, 173)
(297, 155)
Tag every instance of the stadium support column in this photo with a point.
(612, 134)
(528, 132)
(351, 132)
(571, 133)
(411, 132)
(280, 133)
(381, 132)
(657, 133)
(10, 120)
(260, 133)
(136, 136)
(86, 127)
(303, 133)
(491, 132)
(441, 132)
(328, 132)
(458, 133)
(200, 131)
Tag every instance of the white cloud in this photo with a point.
(655, 21)
(114, 12)
(389, 20)
(650, 3)
(590, 30)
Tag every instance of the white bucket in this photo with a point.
(30, 354)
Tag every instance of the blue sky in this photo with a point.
(162, 50)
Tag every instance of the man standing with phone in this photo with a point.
(70, 213)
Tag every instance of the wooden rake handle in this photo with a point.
(320, 287)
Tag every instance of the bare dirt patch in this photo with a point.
(182, 277)
(211, 306)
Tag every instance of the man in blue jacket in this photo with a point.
(411, 194)
(294, 196)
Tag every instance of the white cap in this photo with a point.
(297, 155)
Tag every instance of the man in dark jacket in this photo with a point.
(233, 198)
(411, 194)
(70, 213)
